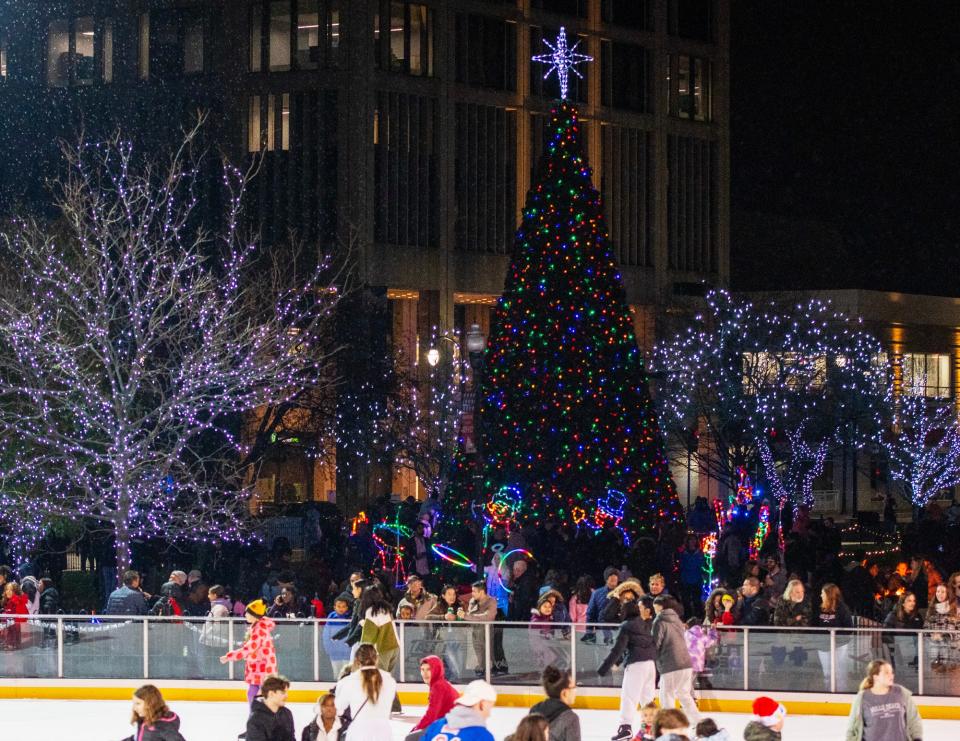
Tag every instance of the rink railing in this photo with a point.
(739, 658)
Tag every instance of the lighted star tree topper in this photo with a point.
(563, 60)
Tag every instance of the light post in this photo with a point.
(476, 343)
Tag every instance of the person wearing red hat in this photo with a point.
(767, 723)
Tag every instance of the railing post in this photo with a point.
(487, 633)
(833, 660)
(920, 662)
(573, 651)
(60, 647)
(746, 659)
(403, 652)
(146, 649)
(230, 647)
(316, 650)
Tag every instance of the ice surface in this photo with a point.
(106, 720)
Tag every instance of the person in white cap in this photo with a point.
(767, 723)
(468, 719)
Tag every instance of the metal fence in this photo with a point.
(735, 658)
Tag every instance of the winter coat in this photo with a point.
(524, 597)
(311, 731)
(577, 610)
(611, 611)
(756, 731)
(170, 601)
(462, 723)
(335, 650)
(691, 567)
(720, 735)
(911, 720)
(482, 610)
(672, 653)
(17, 605)
(50, 601)
(598, 600)
(786, 612)
(258, 652)
(441, 696)
(564, 723)
(633, 639)
(125, 601)
(422, 605)
(379, 630)
(351, 634)
(163, 729)
(299, 608)
(370, 720)
(30, 589)
(214, 632)
(754, 611)
(265, 725)
(912, 621)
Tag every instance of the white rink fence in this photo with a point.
(767, 659)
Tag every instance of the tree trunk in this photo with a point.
(122, 549)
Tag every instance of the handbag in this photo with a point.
(346, 720)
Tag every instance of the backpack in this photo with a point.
(167, 606)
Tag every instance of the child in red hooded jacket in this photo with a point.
(14, 603)
(442, 694)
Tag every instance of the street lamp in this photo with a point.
(476, 343)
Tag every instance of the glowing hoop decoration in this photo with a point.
(450, 555)
(503, 560)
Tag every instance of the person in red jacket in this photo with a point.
(440, 699)
(14, 603)
(257, 650)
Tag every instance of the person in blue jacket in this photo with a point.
(338, 651)
(468, 719)
(598, 601)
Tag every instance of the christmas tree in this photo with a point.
(567, 426)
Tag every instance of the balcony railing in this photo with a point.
(754, 659)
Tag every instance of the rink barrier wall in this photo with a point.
(588, 698)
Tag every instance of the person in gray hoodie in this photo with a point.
(561, 689)
(673, 659)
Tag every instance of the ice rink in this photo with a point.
(106, 720)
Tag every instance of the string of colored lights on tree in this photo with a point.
(760, 535)
(565, 413)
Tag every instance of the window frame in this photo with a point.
(912, 376)
(101, 67)
(691, 112)
(383, 38)
(329, 16)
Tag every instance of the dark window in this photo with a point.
(692, 204)
(691, 19)
(408, 29)
(623, 74)
(287, 34)
(406, 170)
(630, 13)
(627, 189)
(176, 44)
(563, 7)
(550, 87)
(690, 83)
(486, 52)
(485, 178)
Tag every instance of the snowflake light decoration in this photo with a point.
(564, 59)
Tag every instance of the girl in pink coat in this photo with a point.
(257, 650)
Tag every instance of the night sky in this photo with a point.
(845, 136)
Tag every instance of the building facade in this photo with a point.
(407, 130)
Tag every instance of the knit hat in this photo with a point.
(610, 571)
(344, 597)
(257, 608)
(768, 711)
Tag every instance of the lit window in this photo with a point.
(691, 96)
(786, 370)
(410, 34)
(3, 55)
(264, 134)
(253, 125)
(927, 375)
(280, 27)
(143, 55)
(108, 50)
(58, 53)
(84, 39)
(308, 39)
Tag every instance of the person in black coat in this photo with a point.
(525, 594)
(635, 642)
(269, 719)
(49, 597)
(753, 608)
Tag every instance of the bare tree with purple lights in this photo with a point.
(132, 339)
(923, 450)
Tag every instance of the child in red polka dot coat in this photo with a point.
(257, 649)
